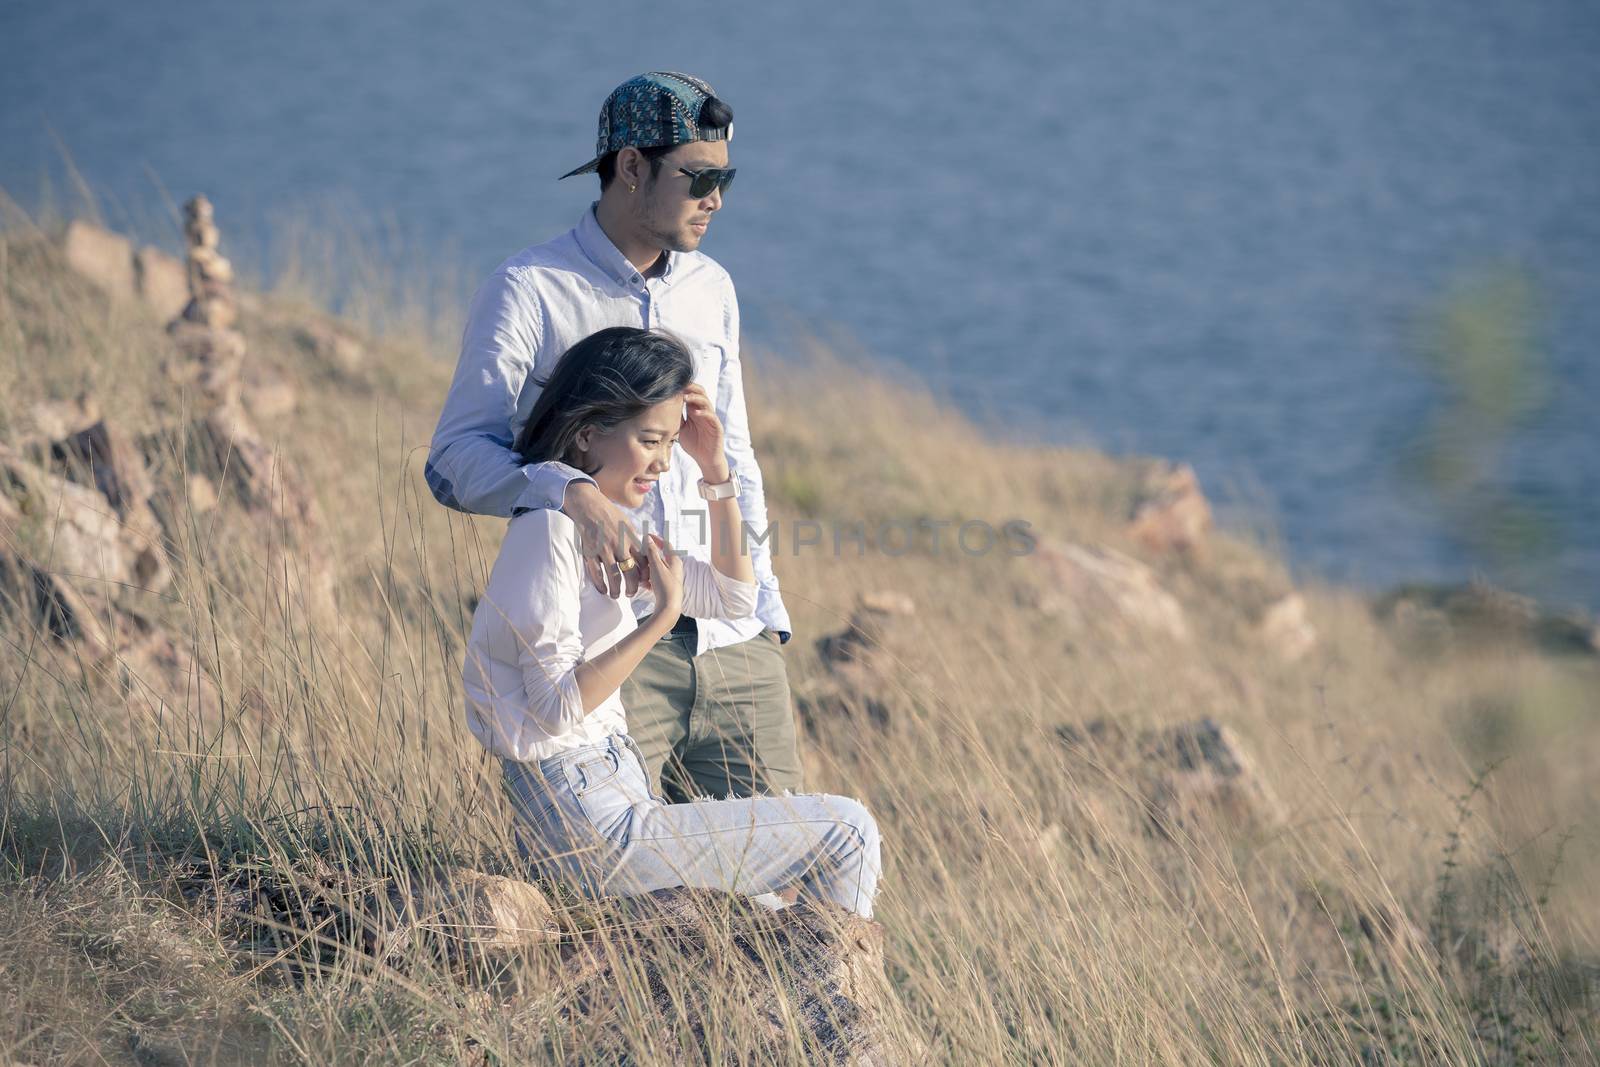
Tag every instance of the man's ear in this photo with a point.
(631, 167)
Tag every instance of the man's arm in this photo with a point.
(742, 457)
(471, 465)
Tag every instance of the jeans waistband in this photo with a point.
(613, 743)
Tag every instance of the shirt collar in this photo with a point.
(605, 255)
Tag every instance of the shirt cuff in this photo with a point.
(546, 490)
(772, 613)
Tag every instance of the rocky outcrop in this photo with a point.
(109, 261)
(81, 536)
(161, 282)
(1100, 589)
(92, 526)
(1480, 613)
(1285, 628)
(54, 420)
(102, 257)
(860, 662)
(1170, 515)
(811, 968)
(1183, 777)
(331, 344)
(817, 969)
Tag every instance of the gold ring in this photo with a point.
(627, 564)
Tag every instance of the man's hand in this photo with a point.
(607, 539)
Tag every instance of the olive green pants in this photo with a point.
(717, 725)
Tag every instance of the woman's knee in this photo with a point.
(855, 815)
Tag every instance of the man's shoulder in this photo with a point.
(702, 267)
(557, 254)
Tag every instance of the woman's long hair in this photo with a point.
(602, 381)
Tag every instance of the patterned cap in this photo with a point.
(659, 108)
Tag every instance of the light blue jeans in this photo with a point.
(587, 817)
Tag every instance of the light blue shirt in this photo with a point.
(535, 306)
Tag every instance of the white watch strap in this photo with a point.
(722, 490)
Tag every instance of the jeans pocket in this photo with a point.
(591, 773)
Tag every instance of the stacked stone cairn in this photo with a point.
(210, 350)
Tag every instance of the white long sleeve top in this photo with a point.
(539, 619)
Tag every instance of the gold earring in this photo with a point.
(633, 188)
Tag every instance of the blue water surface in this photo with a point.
(1212, 230)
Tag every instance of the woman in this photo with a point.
(548, 654)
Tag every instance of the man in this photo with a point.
(709, 707)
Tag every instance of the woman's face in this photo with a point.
(633, 455)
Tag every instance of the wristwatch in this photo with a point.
(722, 490)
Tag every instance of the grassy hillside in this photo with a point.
(1415, 888)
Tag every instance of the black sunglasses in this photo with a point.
(708, 178)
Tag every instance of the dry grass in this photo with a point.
(1426, 901)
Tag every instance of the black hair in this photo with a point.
(602, 381)
(607, 167)
(715, 114)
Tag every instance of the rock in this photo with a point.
(210, 358)
(1286, 630)
(113, 464)
(862, 642)
(53, 603)
(162, 282)
(215, 310)
(202, 494)
(102, 257)
(860, 662)
(470, 910)
(1478, 612)
(267, 393)
(234, 455)
(210, 271)
(888, 603)
(225, 448)
(80, 534)
(813, 968)
(1091, 586)
(1186, 776)
(1328, 921)
(155, 673)
(55, 419)
(81, 537)
(210, 275)
(332, 345)
(1205, 774)
(1170, 515)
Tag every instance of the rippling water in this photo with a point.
(1214, 230)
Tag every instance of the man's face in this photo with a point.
(663, 208)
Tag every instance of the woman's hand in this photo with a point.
(665, 578)
(701, 435)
